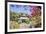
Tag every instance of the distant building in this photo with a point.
(23, 17)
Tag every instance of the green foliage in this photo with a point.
(14, 16)
(26, 21)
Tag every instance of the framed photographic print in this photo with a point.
(22, 16)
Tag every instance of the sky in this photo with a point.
(21, 8)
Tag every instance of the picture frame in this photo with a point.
(21, 4)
